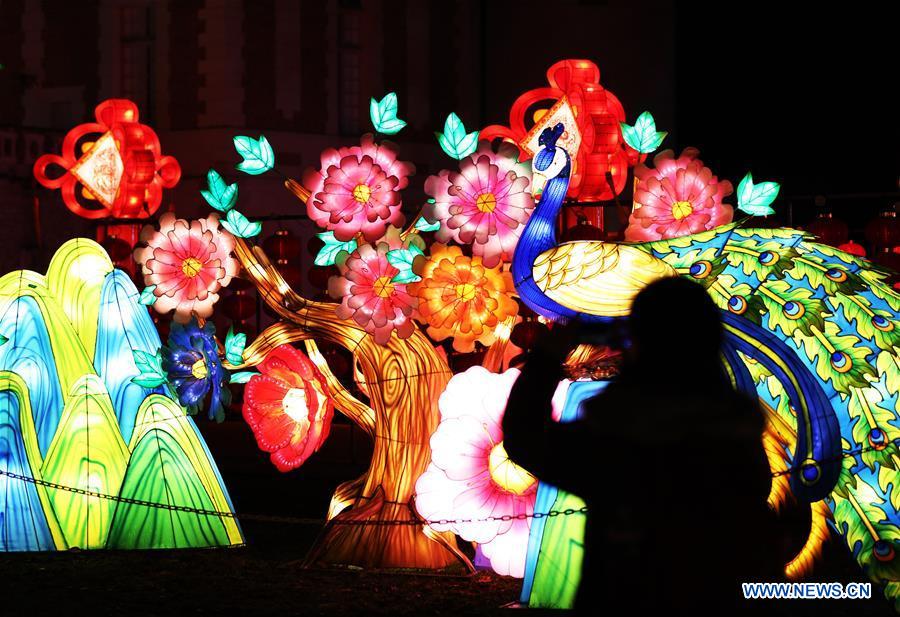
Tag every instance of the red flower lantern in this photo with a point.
(591, 115)
(289, 407)
(116, 161)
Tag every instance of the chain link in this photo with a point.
(315, 521)
(279, 519)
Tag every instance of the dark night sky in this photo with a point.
(808, 99)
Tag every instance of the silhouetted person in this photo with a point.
(668, 459)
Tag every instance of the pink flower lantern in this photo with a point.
(186, 264)
(678, 197)
(357, 190)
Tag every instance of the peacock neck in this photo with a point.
(540, 231)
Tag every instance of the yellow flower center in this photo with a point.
(295, 406)
(681, 209)
(506, 474)
(383, 287)
(199, 369)
(486, 202)
(191, 267)
(362, 193)
(465, 292)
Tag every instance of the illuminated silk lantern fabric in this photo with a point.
(460, 298)
(677, 197)
(591, 115)
(186, 263)
(369, 294)
(117, 162)
(71, 415)
(289, 407)
(470, 476)
(556, 545)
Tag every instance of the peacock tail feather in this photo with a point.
(815, 333)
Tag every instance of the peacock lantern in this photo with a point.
(810, 330)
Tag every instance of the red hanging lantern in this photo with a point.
(283, 247)
(117, 163)
(828, 230)
(239, 306)
(883, 232)
(590, 114)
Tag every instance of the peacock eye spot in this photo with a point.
(809, 472)
(883, 550)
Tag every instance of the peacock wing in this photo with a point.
(596, 278)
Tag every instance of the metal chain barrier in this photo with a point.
(280, 519)
(317, 521)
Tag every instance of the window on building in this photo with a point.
(137, 66)
(348, 67)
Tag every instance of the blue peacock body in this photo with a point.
(811, 330)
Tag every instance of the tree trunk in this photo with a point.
(403, 381)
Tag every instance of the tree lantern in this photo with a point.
(590, 114)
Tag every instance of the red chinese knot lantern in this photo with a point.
(117, 163)
(590, 114)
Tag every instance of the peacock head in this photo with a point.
(551, 161)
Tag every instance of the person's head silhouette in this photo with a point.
(675, 331)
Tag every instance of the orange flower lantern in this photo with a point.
(591, 115)
(117, 163)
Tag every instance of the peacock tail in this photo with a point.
(814, 333)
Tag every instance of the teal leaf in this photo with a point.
(234, 346)
(384, 115)
(643, 136)
(754, 199)
(148, 363)
(242, 376)
(150, 367)
(220, 195)
(402, 259)
(3, 339)
(237, 224)
(455, 141)
(258, 155)
(149, 380)
(423, 225)
(333, 246)
(147, 297)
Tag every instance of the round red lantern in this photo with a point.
(283, 247)
(828, 229)
(883, 232)
(239, 305)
